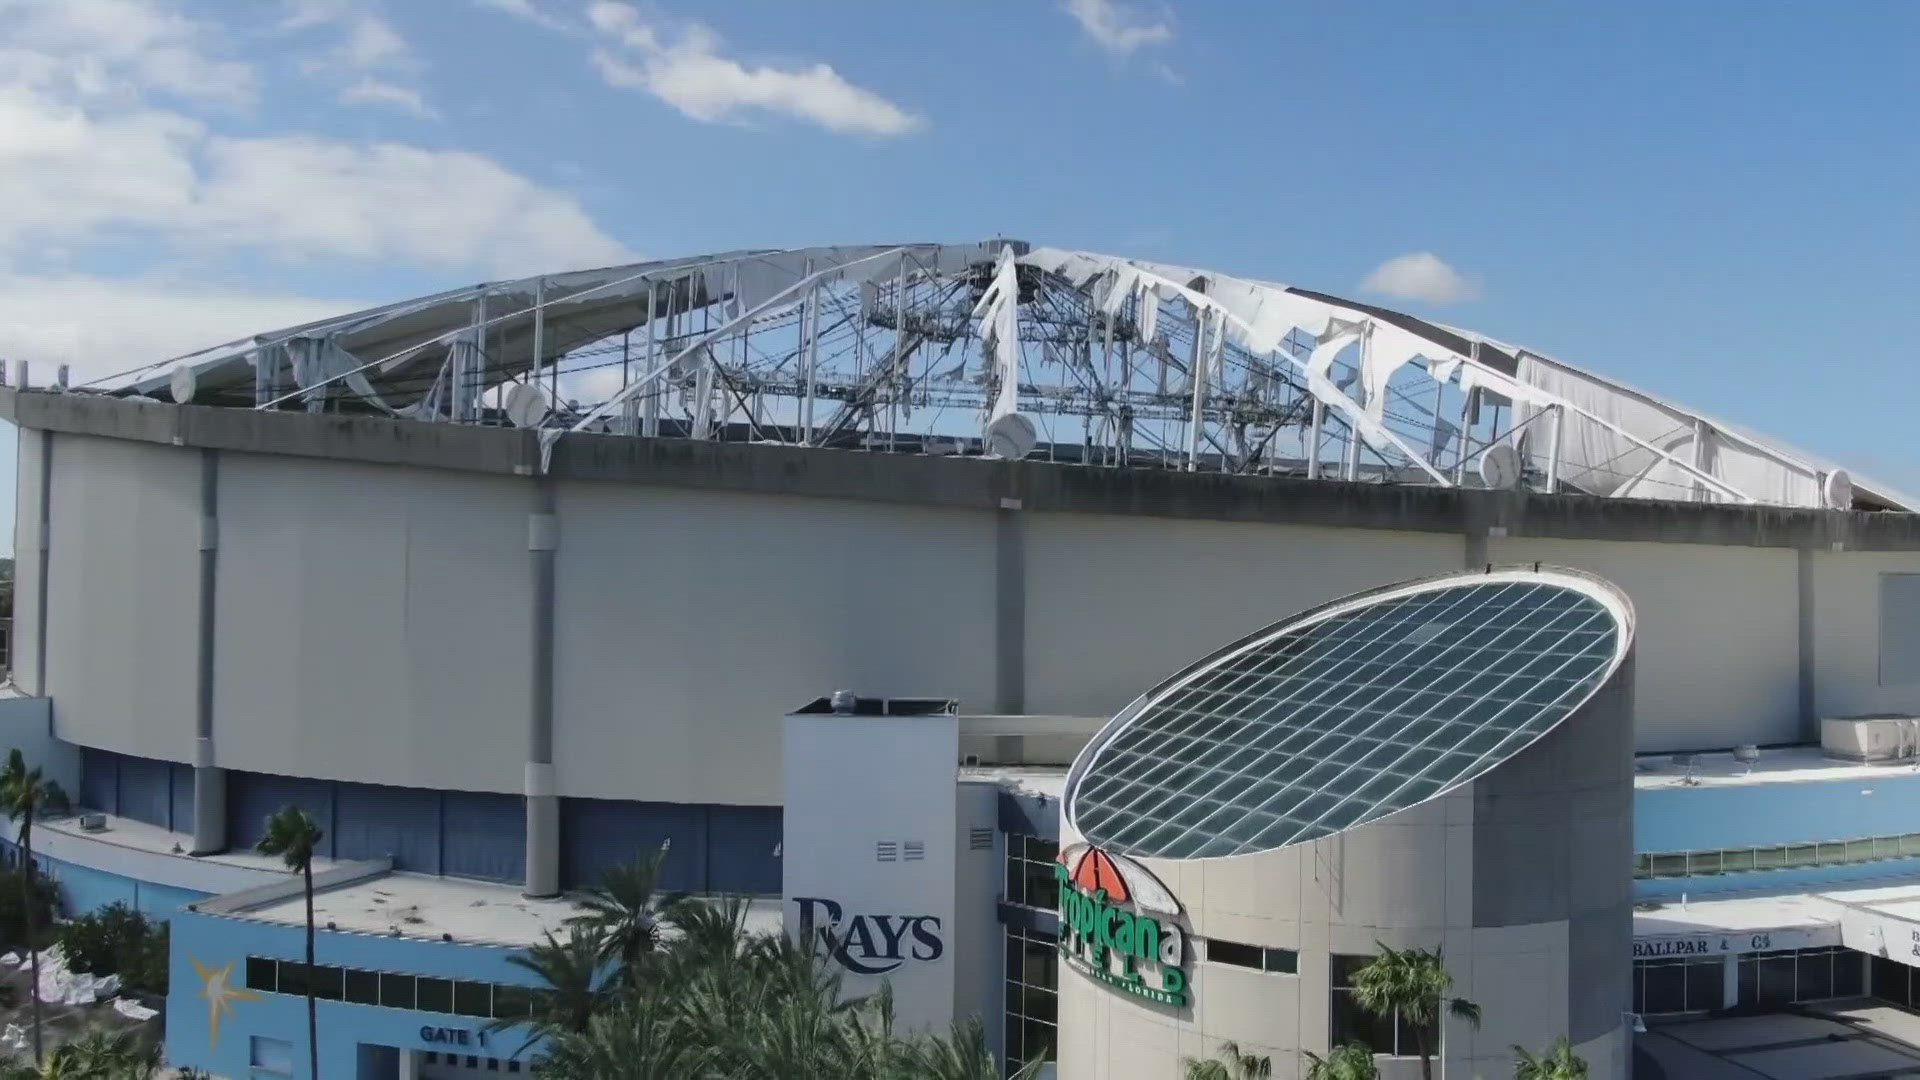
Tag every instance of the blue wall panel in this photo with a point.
(254, 797)
(486, 836)
(146, 790)
(99, 780)
(740, 845)
(182, 798)
(83, 889)
(372, 820)
(598, 833)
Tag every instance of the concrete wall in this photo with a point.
(371, 624)
(1115, 603)
(372, 614)
(120, 646)
(1718, 655)
(1846, 617)
(26, 725)
(687, 622)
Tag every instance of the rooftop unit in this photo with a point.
(1872, 739)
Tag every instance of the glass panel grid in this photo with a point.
(1346, 719)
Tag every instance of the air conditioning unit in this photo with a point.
(1878, 738)
(93, 823)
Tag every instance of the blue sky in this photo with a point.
(1710, 200)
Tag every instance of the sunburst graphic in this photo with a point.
(216, 985)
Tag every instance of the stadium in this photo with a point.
(509, 583)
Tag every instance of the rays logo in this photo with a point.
(869, 944)
(1117, 924)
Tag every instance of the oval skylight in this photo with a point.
(1347, 714)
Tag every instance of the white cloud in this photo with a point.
(86, 158)
(372, 91)
(683, 66)
(369, 59)
(1121, 29)
(1422, 276)
(99, 49)
(386, 201)
(528, 10)
(103, 326)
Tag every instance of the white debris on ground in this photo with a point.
(61, 986)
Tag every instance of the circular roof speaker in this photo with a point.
(182, 383)
(1500, 466)
(1837, 489)
(526, 405)
(1010, 436)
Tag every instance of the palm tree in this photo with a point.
(639, 1040)
(961, 1054)
(25, 794)
(628, 909)
(1411, 984)
(1230, 1065)
(293, 835)
(1558, 1063)
(1350, 1061)
(572, 970)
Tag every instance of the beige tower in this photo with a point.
(1443, 764)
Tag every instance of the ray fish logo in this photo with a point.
(1117, 924)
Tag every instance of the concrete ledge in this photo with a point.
(290, 885)
(969, 483)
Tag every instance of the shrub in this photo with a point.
(118, 940)
(13, 920)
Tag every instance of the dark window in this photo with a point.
(1281, 961)
(1232, 952)
(1813, 977)
(1349, 1023)
(262, 974)
(512, 1002)
(1661, 986)
(1031, 1008)
(1029, 871)
(326, 982)
(473, 999)
(363, 987)
(1890, 981)
(1776, 980)
(396, 991)
(436, 995)
(1849, 973)
(1706, 985)
(293, 977)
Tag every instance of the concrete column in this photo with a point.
(543, 803)
(1809, 706)
(1475, 548)
(209, 780)
(41, 556)
(410, 1064)
(1009, 609)
(1730, 981)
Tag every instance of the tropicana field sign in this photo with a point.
(1111, 927)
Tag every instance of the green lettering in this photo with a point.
(1146, 938)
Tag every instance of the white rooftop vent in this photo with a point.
(1872, 739)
